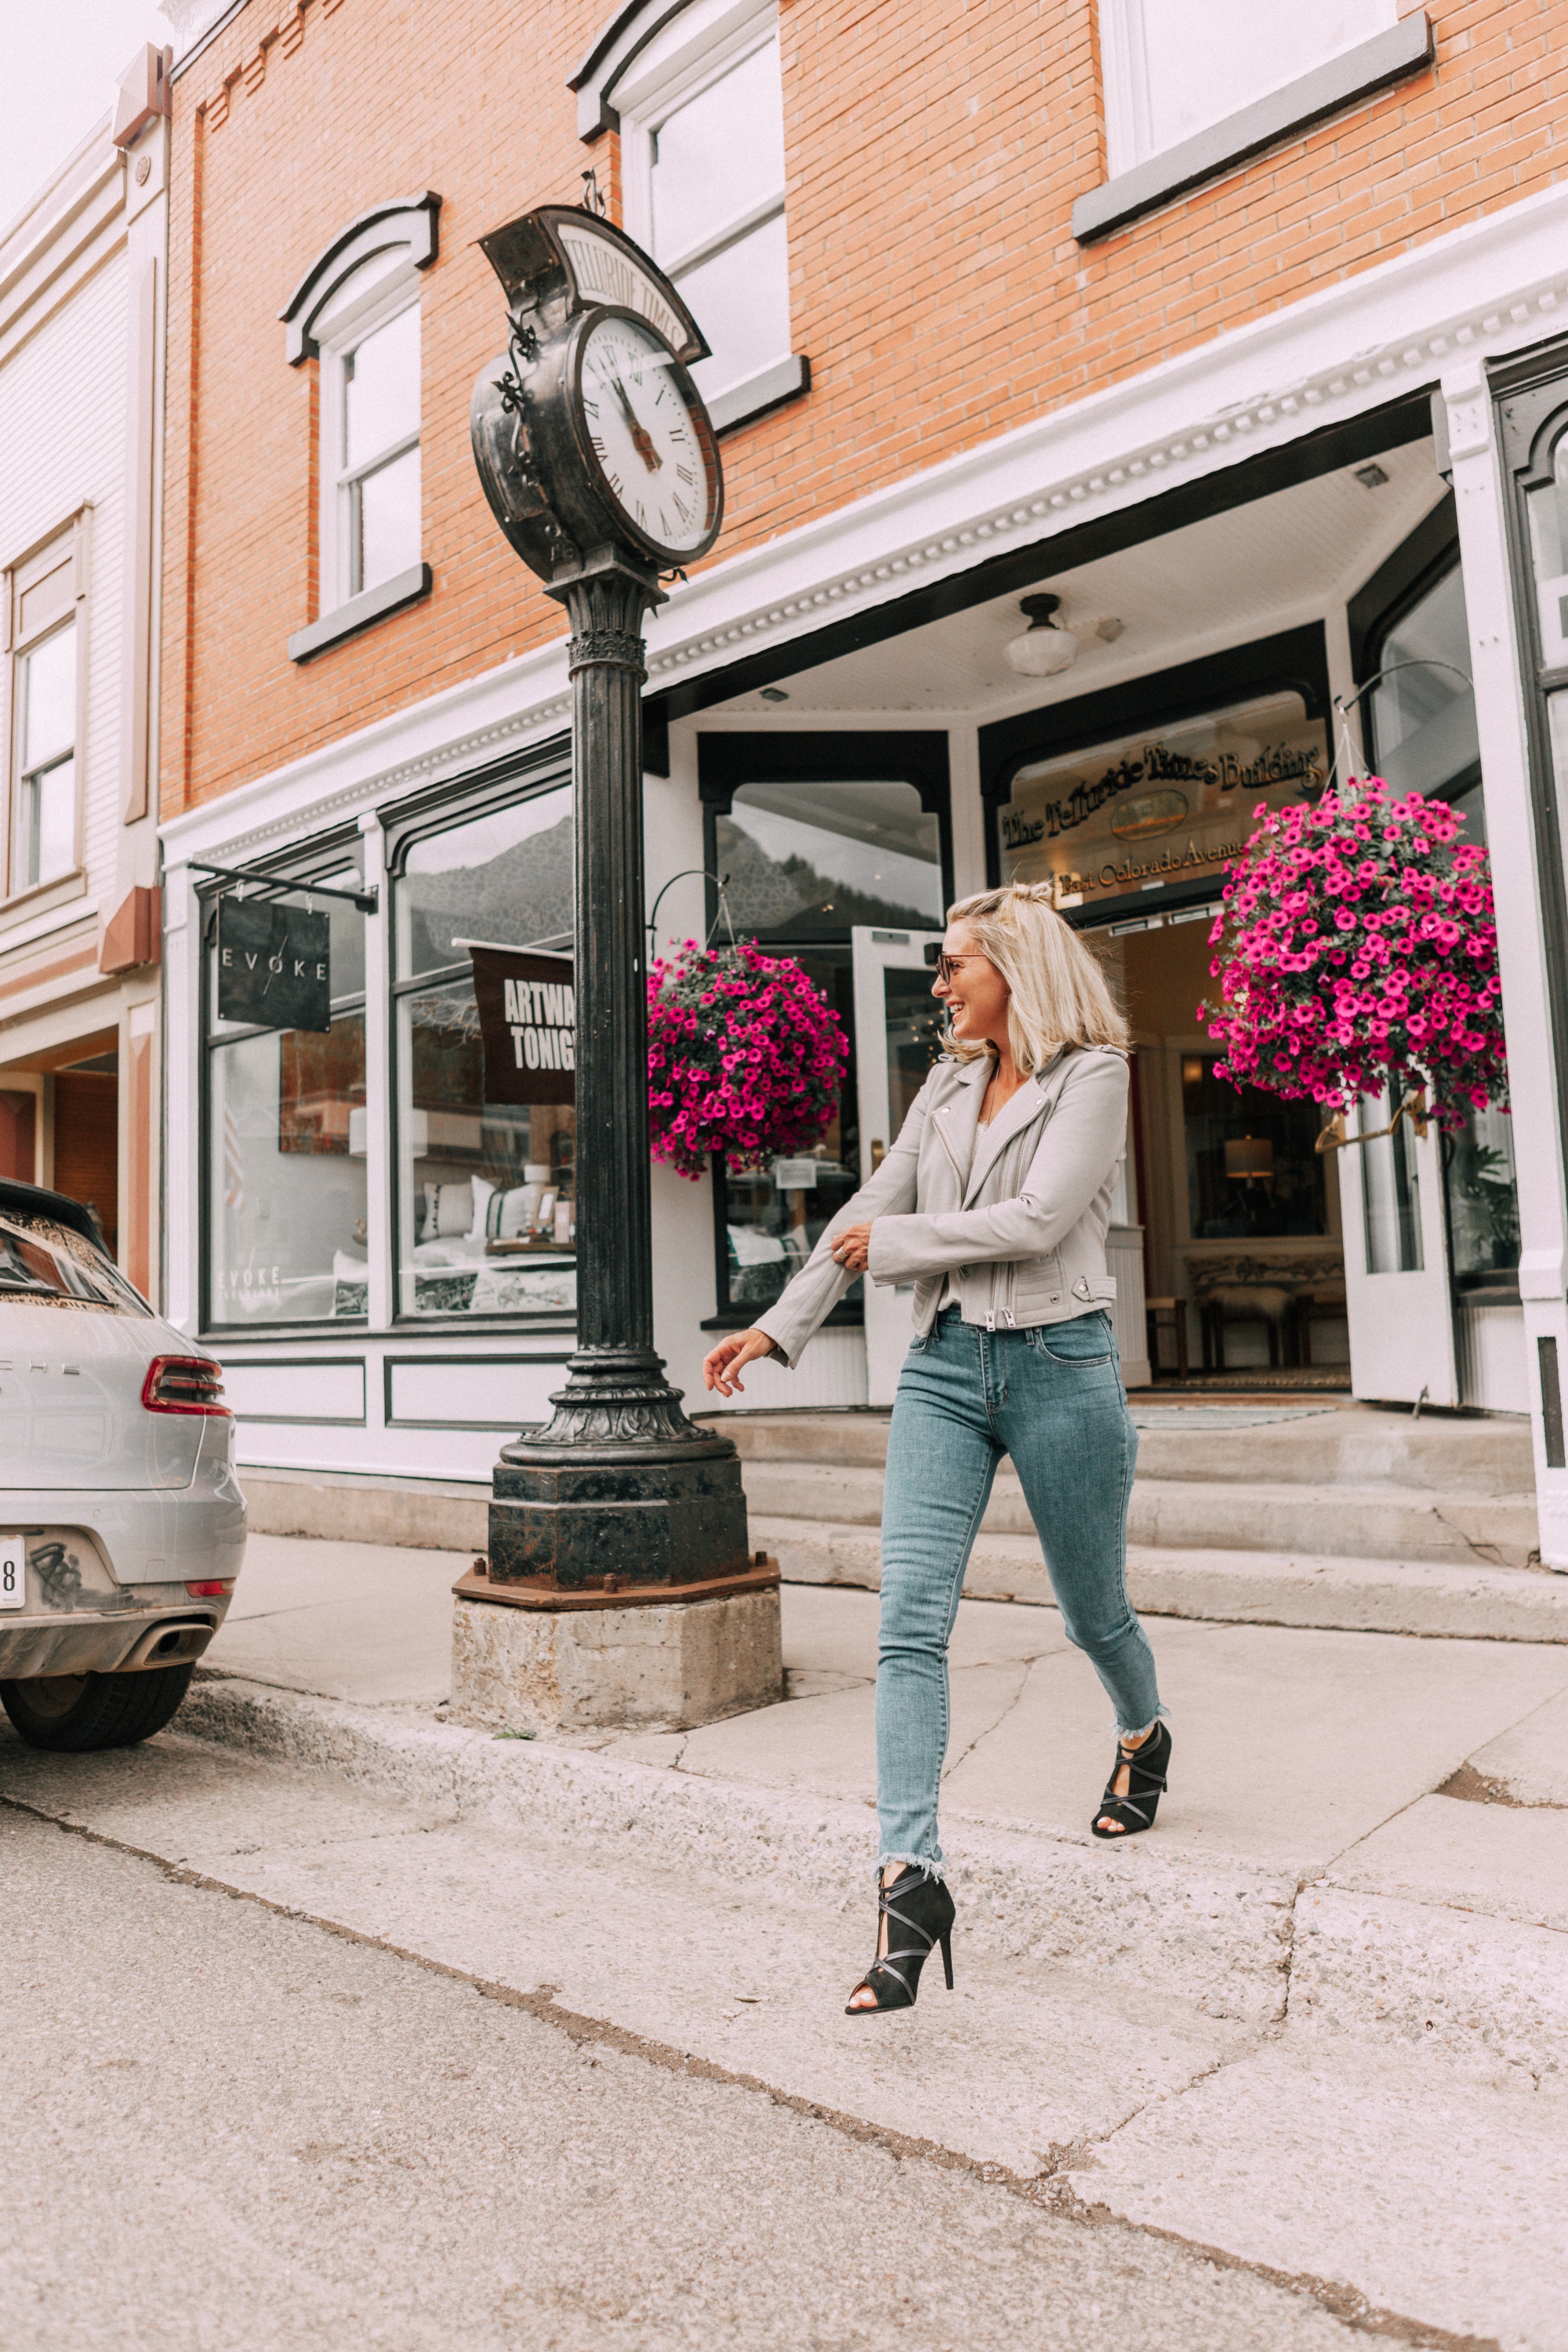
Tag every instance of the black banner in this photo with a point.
(528, 1021)
(273, 965)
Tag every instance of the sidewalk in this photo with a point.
(1317, 2019)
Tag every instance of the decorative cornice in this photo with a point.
(1185, 418)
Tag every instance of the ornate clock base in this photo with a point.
(619, 1484)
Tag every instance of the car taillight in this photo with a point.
(213, 1588)
(185, 1384)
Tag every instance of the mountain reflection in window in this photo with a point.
(810, 861)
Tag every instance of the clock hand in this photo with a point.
(642, 439)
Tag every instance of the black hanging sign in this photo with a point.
(274, 965)
(528, 1020)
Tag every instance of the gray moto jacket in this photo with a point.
(1016, 1213)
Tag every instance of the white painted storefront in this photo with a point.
(378, 1386)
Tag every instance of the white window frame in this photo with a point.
(698, 49)
(348, 321)
(64, 550)
(1129, 97)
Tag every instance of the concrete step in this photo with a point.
(1351, 1445)
(1471, 1600)
(1363, 1522)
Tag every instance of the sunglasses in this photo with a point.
(947, 965)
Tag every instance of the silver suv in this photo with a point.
(122, 1524)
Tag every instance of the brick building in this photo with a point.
(1233, 330)
(81, 312)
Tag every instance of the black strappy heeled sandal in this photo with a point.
(923, 1909)
(1145, 1767)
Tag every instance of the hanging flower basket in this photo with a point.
(1357, 948)
(745, 1056)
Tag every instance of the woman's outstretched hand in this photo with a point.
(721, 1365)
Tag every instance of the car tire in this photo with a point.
(74, 1714)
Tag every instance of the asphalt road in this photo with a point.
(228, 2128)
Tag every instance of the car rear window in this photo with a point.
(49, 1266)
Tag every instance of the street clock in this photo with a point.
(588, 431)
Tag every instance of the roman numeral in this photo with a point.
(686, 474)
(599, 449)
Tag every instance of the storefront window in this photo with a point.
(803, 865)
(485, 1185)
(285, 1147)
(1254, 1171)
(1483, 1203)
(809, 861)
(1424, 736)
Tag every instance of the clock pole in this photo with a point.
(619, 1485)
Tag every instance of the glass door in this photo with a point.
(1398, 1290)
(897, 1021)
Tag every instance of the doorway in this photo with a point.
(86, 1125)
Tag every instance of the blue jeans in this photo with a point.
(1052, 1398)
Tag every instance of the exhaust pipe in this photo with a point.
(170, 1644)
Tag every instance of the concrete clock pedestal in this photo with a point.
(527, 1657)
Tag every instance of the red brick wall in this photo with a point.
(934, 151)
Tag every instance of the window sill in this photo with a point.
(769, 388)
(41, 897)
(1401, 49)
(361, 612)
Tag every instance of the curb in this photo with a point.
(1216, 1934)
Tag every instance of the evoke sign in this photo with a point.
(274, 965)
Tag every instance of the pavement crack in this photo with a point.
(991, 1729)
(1484, 1555)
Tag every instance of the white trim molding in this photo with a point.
(407, 227)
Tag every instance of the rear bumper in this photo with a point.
(87, 1642)
(106, 1576)
(142, 1536)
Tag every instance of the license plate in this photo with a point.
(13, 1573)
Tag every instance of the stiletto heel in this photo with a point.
(924, 1909)
(1146, 1767)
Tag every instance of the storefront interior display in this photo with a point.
(806, 850)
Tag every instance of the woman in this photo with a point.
(993, 1201)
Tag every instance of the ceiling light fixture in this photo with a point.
(1046, 646)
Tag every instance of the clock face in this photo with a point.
(650, 434)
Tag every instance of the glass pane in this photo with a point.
(740, 301)
(48, 830)
(381, 389)
(504, 878)
(914, 1022)
(773, 1227)
(286, 1148)
(808, 861)
(1423, 712)
(48, 698)
(1254, 1171)
(1483, 1199)
(48, 1265)
(1207, 58)
(387, 506)
(486, 1196)
(1391, 1191)
(719, 156)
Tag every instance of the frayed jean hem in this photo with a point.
(1142, 1730)
(923, 1863)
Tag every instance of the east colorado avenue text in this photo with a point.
(1117, 877)
(1277, 764)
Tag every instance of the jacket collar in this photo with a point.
(1025, 1106)
(957, 1121)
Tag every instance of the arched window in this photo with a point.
(697, 94)
(356, 310)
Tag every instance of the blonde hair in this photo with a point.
(1059, 994)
